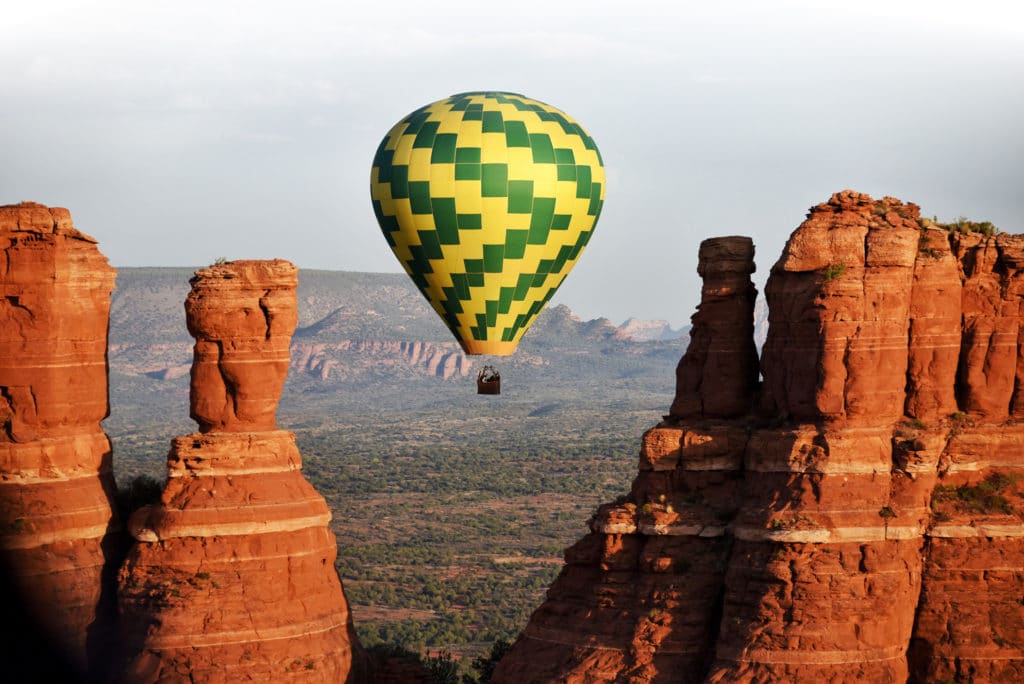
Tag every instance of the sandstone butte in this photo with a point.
(57, 529)
(231, 577)
(851, 515)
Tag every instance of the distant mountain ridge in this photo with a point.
(351, 324)
(650, 330)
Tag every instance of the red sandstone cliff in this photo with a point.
(56, 523)
(232, 577)
(853, 518)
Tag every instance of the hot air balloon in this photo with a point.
(487, 199)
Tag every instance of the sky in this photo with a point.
(180, 132)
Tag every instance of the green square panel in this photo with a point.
(461, 283)
(516, 135)
(431, 245)
(414, 121)
(566, 172)
(451, 301)
(563, 155)
(445, 222)
(491, 307)
(595, 200)
(383, 162)
(522, 286)
(539, 279)
(472, 115)
(560, 221)
(419, 197)
(493, 257)
(469, 221)
(419, 264)
(443, 151)
(561, 258)
(505, 299)
(583, 182)
(515, 243)
(494, 180)
(474, 265)
(481, 324)
(475, 279)
(467, 155)
(400, 182)
(567, 127)
(543, 152)
(520, 197)
(425, 136)
(468, 172)
(493, 123)
(540, 221)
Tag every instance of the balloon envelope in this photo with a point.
(487, 199)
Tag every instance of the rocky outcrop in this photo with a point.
(322, 358)
(855, 516)
(232, 575)
(57, 528)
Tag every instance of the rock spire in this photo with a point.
(57, 527)
(232, 575)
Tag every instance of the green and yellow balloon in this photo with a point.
(487, 199)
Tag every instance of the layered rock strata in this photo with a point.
(57, 528)
(857, 508)
(232, 577)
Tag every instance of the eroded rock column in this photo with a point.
(717, 377)
(232, 577)
(824, 574)
(639, 599)
(56, 523)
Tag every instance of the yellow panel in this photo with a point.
(419, 164)
(449, 124)
(493, 149)
(442, 180)
(545, 180)
(467, 197)
(520, 163)
(403, 148)
(471, 134)
(423, 221)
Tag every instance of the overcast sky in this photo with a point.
(179, 132)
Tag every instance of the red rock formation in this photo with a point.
(233, 574)
(56, 522)
(718, 375)
(862, 523)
